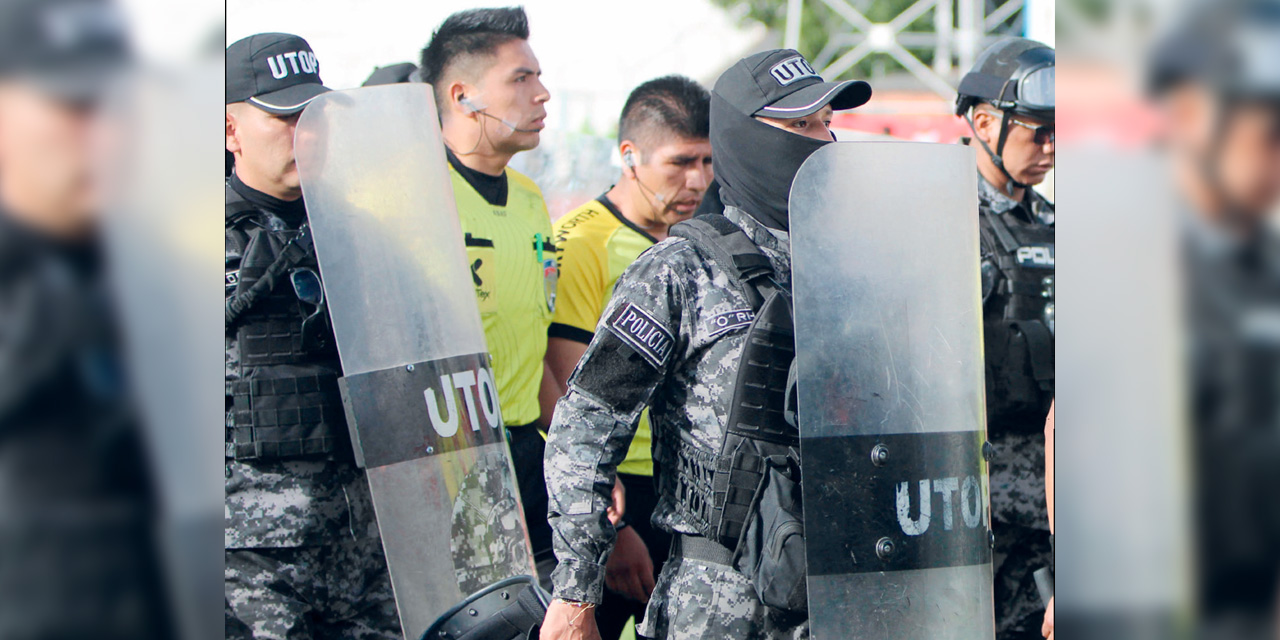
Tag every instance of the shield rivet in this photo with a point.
(472, 612)
(431, 450)
(991, 539)
(884, 548)
(504, 595)
(408, 367)
(988, 451)
(879, 455)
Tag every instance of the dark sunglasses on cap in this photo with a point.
(1044, 133)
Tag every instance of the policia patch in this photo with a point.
(643, 333)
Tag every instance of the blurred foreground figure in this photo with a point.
(76, 552)
(1218, 78)
(1008, 100)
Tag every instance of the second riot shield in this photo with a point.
(884, 239)
(420, 395)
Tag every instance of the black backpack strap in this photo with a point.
(237, 211)
(294, 252)
(729, 247)
(237, 208)
(1002, 233)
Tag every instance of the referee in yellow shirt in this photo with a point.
(666, 157)
(492, 106)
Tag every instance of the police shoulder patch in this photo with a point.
(643, 333)
(729, 320)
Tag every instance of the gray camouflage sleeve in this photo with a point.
(635, 345)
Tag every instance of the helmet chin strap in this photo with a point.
(995, 155)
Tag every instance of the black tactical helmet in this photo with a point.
(510, 609)
(1230, 46)
(1015, 75)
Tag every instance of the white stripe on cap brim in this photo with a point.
(283, 107)
(822, 100)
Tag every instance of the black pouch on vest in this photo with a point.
(772, 549)
(755, 486)
(761, 517)
(1020, 376)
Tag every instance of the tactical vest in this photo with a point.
(286, 402)
(748, 496)
(1018, 331)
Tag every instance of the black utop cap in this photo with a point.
(781, 84)
(276, 72)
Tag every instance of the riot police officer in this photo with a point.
(672, 338)
(1008, 101)
(303, 555)
(1214, 75)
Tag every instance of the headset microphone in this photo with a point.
(629, 159)
(480, 109)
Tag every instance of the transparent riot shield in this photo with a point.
(419, 392)
(884, 237)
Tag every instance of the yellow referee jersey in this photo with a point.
(596, 245)
(513, 268)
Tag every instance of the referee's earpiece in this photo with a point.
(471, 106)
(629, 159)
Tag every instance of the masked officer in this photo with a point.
(303, 555)
(1008, 101)
(663, 139)
(492, 106)
(670, 340)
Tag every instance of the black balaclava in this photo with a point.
(756, 162)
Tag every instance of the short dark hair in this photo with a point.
(670, 105)
(467, 35)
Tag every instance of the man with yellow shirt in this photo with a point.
(491, 102)
(666, 157)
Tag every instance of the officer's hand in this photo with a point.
(629, 570)
(1046, 629)
(567, 622)
(619, 506)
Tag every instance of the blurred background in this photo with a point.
(912, 52)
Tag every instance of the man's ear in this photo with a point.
(627, 149)
(233, 140)
(986, 125)
(457, 92)
(1192, 115)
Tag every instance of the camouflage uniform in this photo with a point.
(657, 345)
(1018, 508)
(303, 554)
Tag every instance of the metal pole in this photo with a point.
(792, 38)
(970, 32)
(944, 27)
